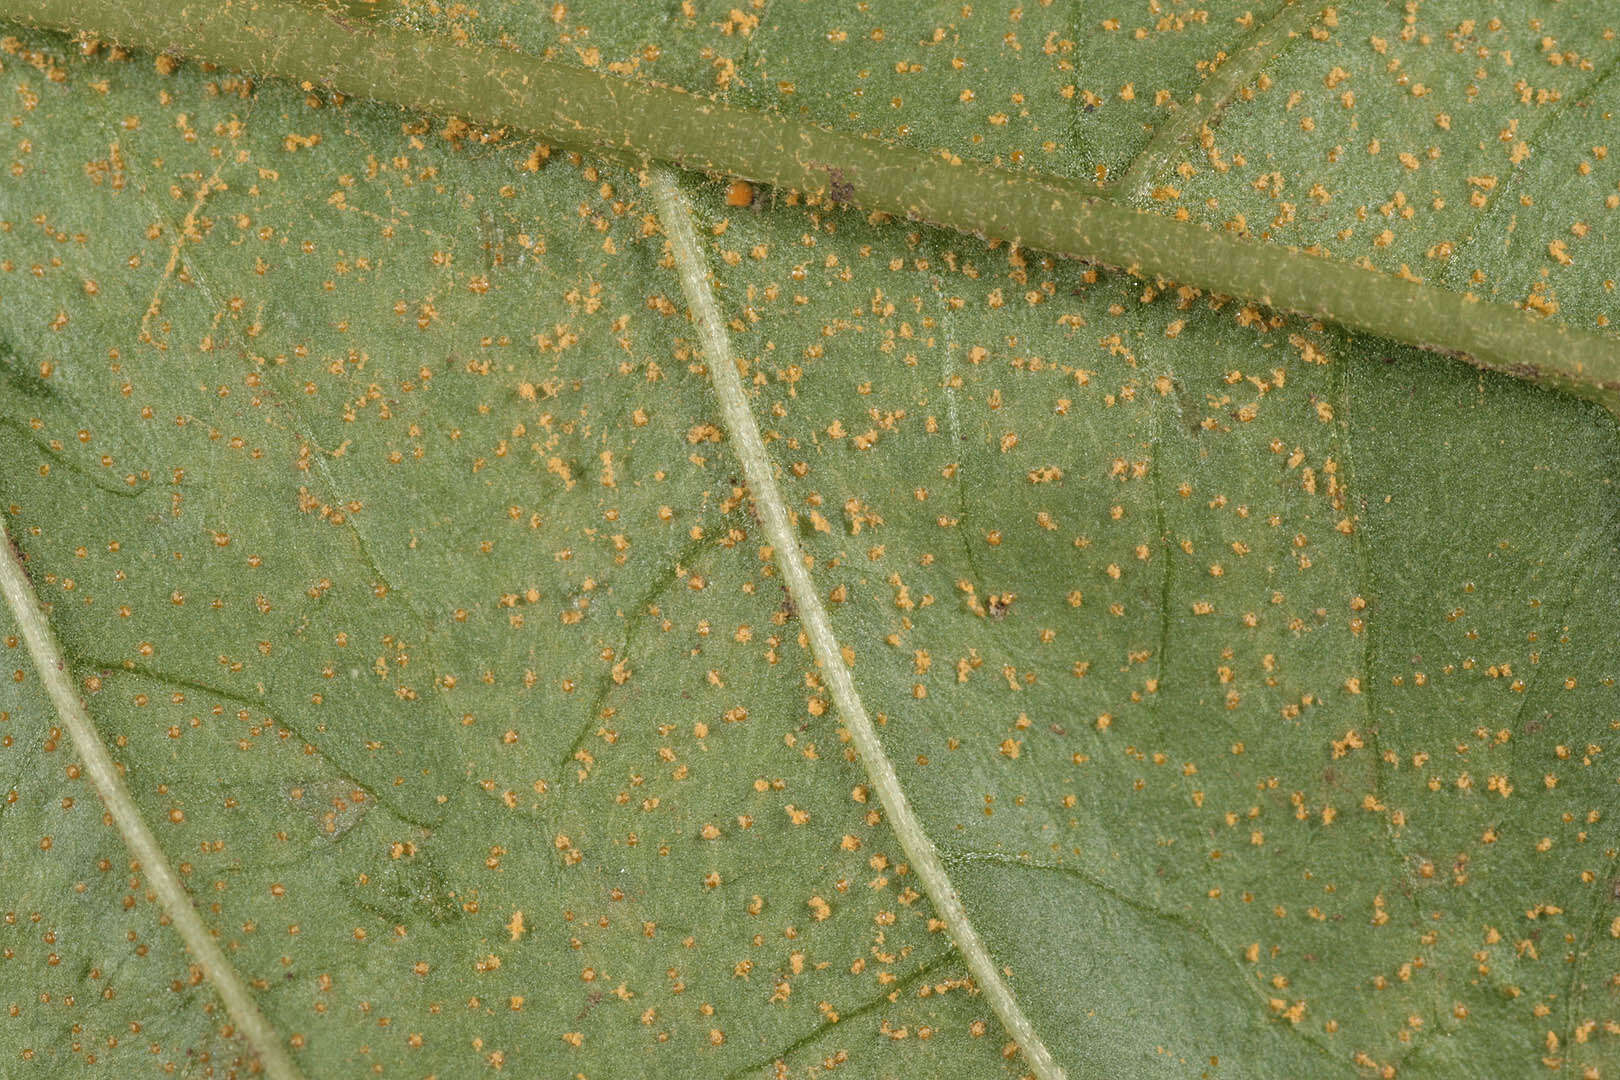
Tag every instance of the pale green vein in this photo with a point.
(1235, 72)
(676, 215)
(36, 633)
(640, 122)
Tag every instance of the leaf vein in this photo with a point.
(675, 213)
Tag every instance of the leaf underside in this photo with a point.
(1255, 678)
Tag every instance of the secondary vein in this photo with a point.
(1237, 71)
(676, 214)
(35, 631)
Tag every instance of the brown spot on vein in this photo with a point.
(840, 191)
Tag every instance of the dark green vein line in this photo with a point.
(1372, 718)
(1191, 924)
(84, 662)
(100, 481)
(635, 619)
(1167, 552)
(843, 1018)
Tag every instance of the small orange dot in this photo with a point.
(740, 193)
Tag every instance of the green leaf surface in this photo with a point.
(1255, 678)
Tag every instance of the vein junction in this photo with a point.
(675, 212)
(35, 631)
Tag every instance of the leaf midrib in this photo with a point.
(639, 123)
